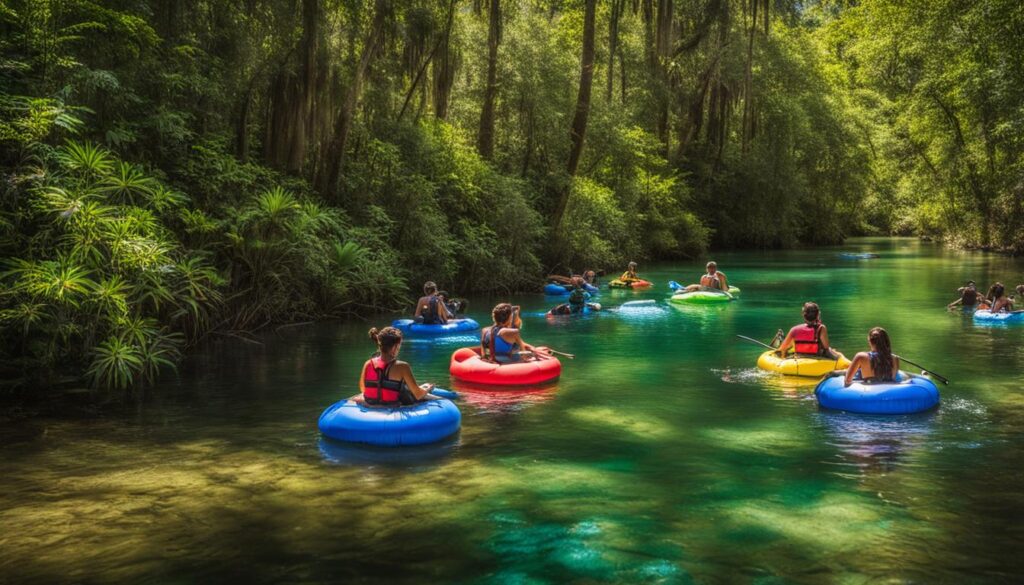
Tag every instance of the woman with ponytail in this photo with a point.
(877, 365)
(385, 381)
(502, 341)
(811, 338)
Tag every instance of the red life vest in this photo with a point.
(807, 339)
(377, 388)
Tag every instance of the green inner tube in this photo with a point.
(701, 298)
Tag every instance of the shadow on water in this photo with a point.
(417, 457)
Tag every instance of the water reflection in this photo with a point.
(415, 457)
(876, 444)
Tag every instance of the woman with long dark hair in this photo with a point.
(879, 364)
(385, 381)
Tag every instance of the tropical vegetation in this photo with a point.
(179, 168)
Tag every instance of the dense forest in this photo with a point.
(174, 168)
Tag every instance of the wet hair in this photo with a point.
(429, 287)
(881, 362)
(969, 283)
(591, 275)
(501, 313)
(811, 312)
(996, 291)
(712, 264)
(386, 340)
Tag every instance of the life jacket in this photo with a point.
(430, 315)
(378, 390)
(629, 275)
(807, 339)
(496, 346)
(711, 281)
(969, 297)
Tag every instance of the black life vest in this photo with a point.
(430, 316)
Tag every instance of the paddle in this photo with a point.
(924, 370)
(568, 355)
(752, 340)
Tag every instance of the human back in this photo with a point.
(877, 365)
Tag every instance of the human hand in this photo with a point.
(428, 386)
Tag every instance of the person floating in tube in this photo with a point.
(502, 341)
(877, 365)
(577, 301)
(384, 380)
(811, 338)
(430, 309)
(969, 296)
(713, 280)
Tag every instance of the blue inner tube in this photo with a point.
(990, 317)
(857, 255)
(907, 395)
(420, 424)
(410, 327)
(553, 289)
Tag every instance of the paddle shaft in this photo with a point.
(752, 340)
(568, 355)
(939, 377)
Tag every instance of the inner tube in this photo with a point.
(552, 289)
(701, 297)
(857, 255)
(907, 395)
(673, 285)
(468, 366)
(800, 365)
(453, 327)
(419, 424)
(984, 315)
(634, 284)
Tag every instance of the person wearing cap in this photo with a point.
(430, 309)
(969, 296)
(713, 280)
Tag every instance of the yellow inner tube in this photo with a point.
(800, 365)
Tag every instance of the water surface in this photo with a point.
(661, 456)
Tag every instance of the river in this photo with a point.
(661, 456)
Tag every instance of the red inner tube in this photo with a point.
(467, 365)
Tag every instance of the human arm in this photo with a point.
(362, 382)
(955, 303)
(442, 311)
(405, 371)
(786, 344)
(724, 280)
(419, 309)
(823, 337)
(855, 364)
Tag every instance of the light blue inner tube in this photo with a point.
(455, 326)
(857, 255)
(990, 317)
(420, 424)
(907, 395)
(555, 290)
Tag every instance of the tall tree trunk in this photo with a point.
(444, 74)
(485, 139)
(613, 43)
(579, 121)
(441, 40)
(328, 180)
(293, 97)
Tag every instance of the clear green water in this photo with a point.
(662, 455)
